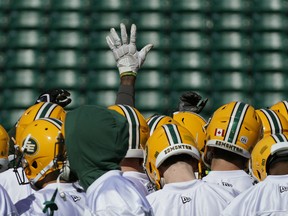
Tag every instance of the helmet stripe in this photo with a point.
(286, 106)
(153, 122)
(45, 110)
(57, 123)
(274, 121)
(134, 126)
(172, 134)
(235, 122)
(279, 138)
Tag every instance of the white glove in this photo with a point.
(128, 59)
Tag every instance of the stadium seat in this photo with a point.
(67, 20)
(270, 41)
(273, 61)
(67, 40)
(26, 39)
(106, 20)
(76, 5)
(188, 5)
(156, 60)
(3, 40)
(28, 5)
(110, 5)
(28, 19)
(270, 22)
(4, 20)
(101, 98)
(270, 6)
(267, 99)
(102, 79)
(190, 21)
(190, 80)
(69, 79)
(97, 39)
(231, 22)
(23, 58)
(78, 98)
(152, 21)
(157, 38)
(23, 78)
(232, 61)
(231, 80)
(9, 117)
(57, 59)
(149, 5)
(151, 79)
(190, 60)
(19, 98)
(151, 100)
(230, 5)
(269, 81)
(101, 60)
(232, 40)
(192, 40)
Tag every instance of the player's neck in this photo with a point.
(223, 165)
(179, 172)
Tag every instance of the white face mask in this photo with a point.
(3, 164)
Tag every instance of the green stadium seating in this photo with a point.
(188, 5)
(4, 20)
(231, 40)
(270, 22)
(151, 80)
(9, 117)
(232, 61)
(28, 4)
(26, 39)
(190, 80)
(3, 40)
(269, 81)
(270, 41)
(151, 100)
(230, 5)
(270, 6)
(272, 61)
(19, 98)
(77, 5)
(231, 80)
(28, 20)
(102, 79)
(190, 60)
(23, 58)
(152, 21)
(149, 5)
(101, 98)
(68, 79)
(97, 39)
(106, 20)
(67, 40)
(190, 21)
(156, 60)
(101, 60)
(231, 22)
(22, 78)
(192, 40)
(157, 38)
(67, 20)
(78, 99)
(267, 99)
(110, 5)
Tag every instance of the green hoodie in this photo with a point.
(96, 139)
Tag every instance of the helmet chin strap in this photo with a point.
(42, 172)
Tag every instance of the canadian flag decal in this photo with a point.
(219, 132)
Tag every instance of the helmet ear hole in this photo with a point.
(150, 167)
(34, 165)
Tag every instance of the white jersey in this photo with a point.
(269, 197)
(141, 181)
(238, 180)
(6, 205)
(114, 195)
(195, 198)
(9, 181)
(72, 203)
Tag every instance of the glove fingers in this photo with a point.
(116, 38)
(133, 34)
(110, 42)
(143, 52)
(124, 34)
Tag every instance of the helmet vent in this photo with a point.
(150, 167)
(46, 128)
(34, 165)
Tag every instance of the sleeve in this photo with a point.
(126, 95)
(6, 205)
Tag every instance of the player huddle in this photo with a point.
(110, 161)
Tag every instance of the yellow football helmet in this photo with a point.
(37, 111)
(265, 151)
(273, 122)
(281, 107)
(166, 141)
(156, 121)
(42, 148)
(4, 148)
(234, 127)
(138, 129)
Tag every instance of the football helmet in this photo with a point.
(273, 122)
(266, 150)
(37, 111)
(234, 127)
(138, 129)
(281, 107)
(42, 149)
(166, 141)
(4, 148)
(156, 121)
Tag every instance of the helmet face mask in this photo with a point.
(234, 127)
(138, 129)
(275, 145)
(42, 149)
(166, 141)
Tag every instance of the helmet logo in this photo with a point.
(243, 139)
(31, 147)
(219, 132)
